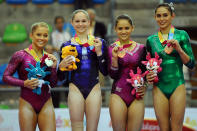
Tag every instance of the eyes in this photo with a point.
(40, 34)
(162, 15)
(154, 63)
(123, 28)
(78, 21)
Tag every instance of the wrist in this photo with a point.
(180, 51)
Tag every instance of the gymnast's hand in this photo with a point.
(98, 46)
(141, 91)
(175, 44)
(150, 77)
(115, 52)
(54, 59)
(66, 62)
(32, 84)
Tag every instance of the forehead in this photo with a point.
(80, 15)
(59, 20)
(41, 29)
(162, 10)
(123, 22)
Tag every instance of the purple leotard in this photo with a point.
(130, 61)
(86, 75)
(19, 62)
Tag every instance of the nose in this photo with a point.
(161, 18)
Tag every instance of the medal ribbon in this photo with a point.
(89, 44)
(170, 35)
(34, 54)
(124, 46)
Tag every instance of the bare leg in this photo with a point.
(93, 108)
(46, 117)
(161, 105)
(177, 108)
(135, 115)
(27, 116)
(76, 104)
(118, 113)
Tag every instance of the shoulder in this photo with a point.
(182, 33)
(112, 45)
(152, 37)
(142, 46)
(19, 54)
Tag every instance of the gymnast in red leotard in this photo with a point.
(33, 108)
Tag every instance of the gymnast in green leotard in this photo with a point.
(172, 45)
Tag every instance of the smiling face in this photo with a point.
(80, 22)
(164, 17)
(40, 37)
(123, 29)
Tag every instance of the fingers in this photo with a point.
(141, 91)
(66, 62)
(52, 57)
(32, 84)
(150, 77)
(97, 41)
(115, 51)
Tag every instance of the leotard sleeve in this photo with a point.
(12, 67)
(186, 46)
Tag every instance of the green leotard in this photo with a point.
(172, 73)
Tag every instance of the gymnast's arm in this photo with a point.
(12, 67)
(102, 59)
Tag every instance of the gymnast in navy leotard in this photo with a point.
(84, 89)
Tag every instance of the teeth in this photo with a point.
(40, 42)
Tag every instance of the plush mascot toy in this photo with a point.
(137, 81)
(38, 73)
(72, 51)
(153, 64)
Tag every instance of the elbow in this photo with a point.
(4, 79)
(190, 64)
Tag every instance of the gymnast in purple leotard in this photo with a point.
(126, 112)
(84, 89)
(33, 108)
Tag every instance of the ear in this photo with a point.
(38, 64)
(139, 70)
(156, 55)
(31, 35)
(47, 72)
(31, 66)
(43, 68)
(129, 80)
(131, 73)
(27, 69)
(144, 62)
(133, 28)
(148, 56)
(173, 15)
(160, 61)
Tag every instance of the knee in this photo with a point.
(77, 126)
(119, 127)
(176, 125)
